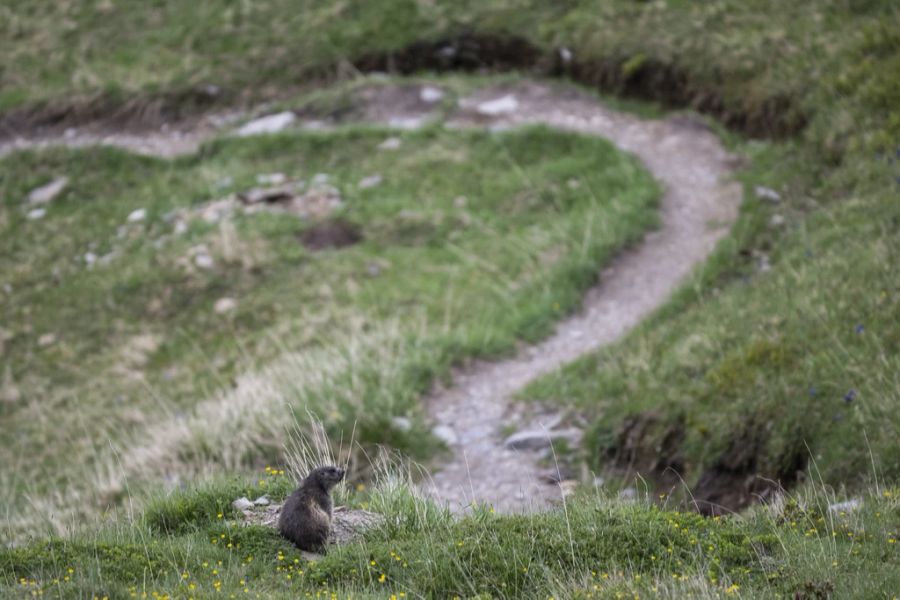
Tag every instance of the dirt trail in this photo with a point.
(698, 206)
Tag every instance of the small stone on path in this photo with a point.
(503, 105)
(268, 124)
(35, 214)
(445, 434)
(536, 439)
(431, 94)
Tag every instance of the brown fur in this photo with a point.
(306, 515)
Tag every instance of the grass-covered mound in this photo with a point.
(755, 360)
(190, 545)
(182, 332)
(780, 356)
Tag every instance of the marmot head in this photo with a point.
(327, 477)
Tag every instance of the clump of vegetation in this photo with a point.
(596, 547)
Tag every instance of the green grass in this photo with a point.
(471, 242)
(597, 548)
(743, 356)
(734, 356)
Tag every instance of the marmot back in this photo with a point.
(306, 515)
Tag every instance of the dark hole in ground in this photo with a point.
(335, 233)
(111, 110)
(775, 116)
(649, 445)
(739, 476)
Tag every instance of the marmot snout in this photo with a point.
(306, 515)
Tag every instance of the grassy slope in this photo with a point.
(361, 332)
(187, 546)
(801, 360)
(834, 63)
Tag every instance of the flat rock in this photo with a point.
(36, 213)
(268, 124)
(243, 503)
(262, 501)
(538, 439)
(445, 434)
(500, 106)
(47, 192)
(431, 94)
(347, 524)
(269, 195)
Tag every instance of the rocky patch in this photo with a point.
(347, 525)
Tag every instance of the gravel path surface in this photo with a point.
(699, 204)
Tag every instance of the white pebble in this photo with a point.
(431, 94)
(369, 182)
(268, 124)
(225, 305)
(392, 143)
(204, 261)
(505, 104)
(137, 215)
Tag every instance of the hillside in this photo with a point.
(171, 320)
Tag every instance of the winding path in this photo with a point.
(699, 204)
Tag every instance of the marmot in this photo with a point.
(306, 515)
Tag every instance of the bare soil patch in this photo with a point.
(335, 233)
